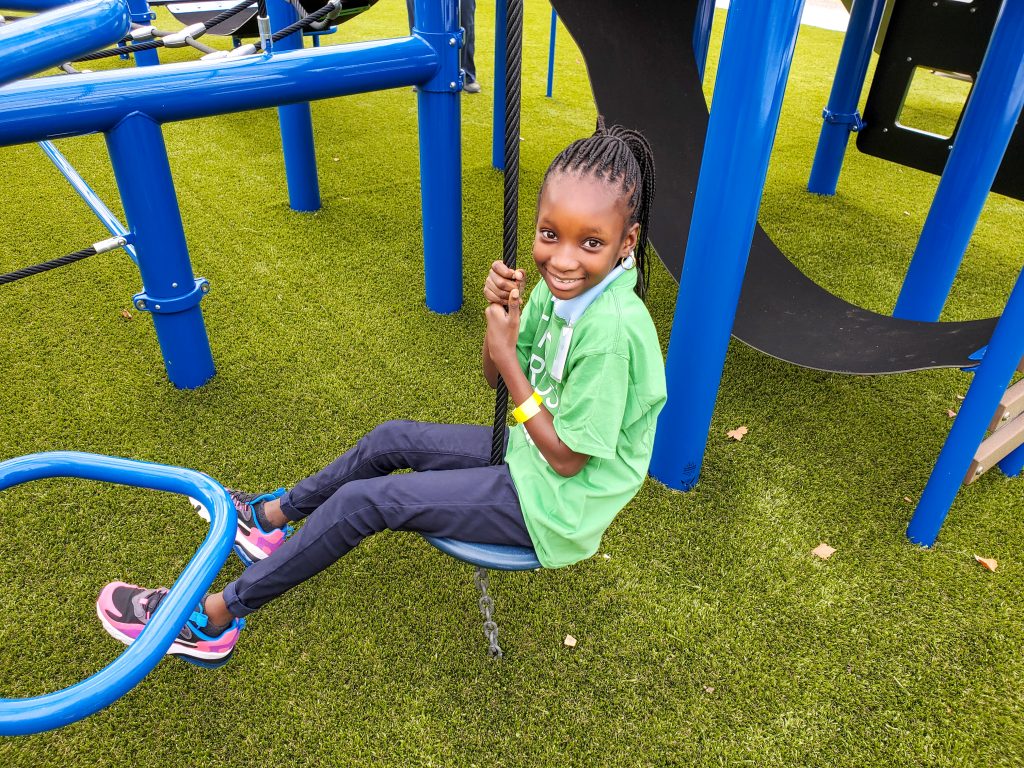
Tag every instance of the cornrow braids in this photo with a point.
(620, 156)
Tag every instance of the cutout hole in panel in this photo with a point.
(934, 102)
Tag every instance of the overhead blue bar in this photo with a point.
(33, 6)
(40, 42)
(54, 107)
(19, 717)
(498, 114)
(756, 54)
(551, 51)
(81, 186)
(986, 127)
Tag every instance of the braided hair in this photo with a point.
(619, 156)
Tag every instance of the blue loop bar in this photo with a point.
(38, 43)
(498, 557)
(54, 710)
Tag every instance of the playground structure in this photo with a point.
(775, 308)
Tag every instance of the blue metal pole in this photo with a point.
(441, 156)
(551, 51)
(81, 186)
(57, 107)
(170, 290)
(65, 33)
(498, 120)
(33, 6)
(841, 116)
(702, 34)
(756, 54)
(19, 717)
(990, 381)
(140, 13)
(1012, 465)
(985, 130)
(296, 125)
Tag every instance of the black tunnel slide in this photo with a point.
(639, 56)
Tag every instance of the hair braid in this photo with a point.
(620, 156)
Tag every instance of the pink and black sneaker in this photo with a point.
(125, 609)
(252, 542)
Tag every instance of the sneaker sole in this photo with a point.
(245, 554)
(192, 656)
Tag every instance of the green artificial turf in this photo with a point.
(708, 634)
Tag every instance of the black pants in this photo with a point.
(452, 492)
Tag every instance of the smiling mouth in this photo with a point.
(566, 282)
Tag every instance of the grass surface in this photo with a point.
(709, 636)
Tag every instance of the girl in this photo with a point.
(581, 361)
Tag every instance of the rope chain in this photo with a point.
(486, 603)
(510, 232)
(46, 266)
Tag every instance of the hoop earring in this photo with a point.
(630, 261)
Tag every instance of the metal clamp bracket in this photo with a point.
(146, 303)
(448, 78)
(843, 118)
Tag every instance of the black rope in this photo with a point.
(302, 24)
(510, 233)
(71, 258)
(225, 15)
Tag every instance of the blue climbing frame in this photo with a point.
(53, 710)
(129, 106)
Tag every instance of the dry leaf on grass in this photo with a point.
(951, 413)
(738, 433)
(908, 500)
(988, 563)
(126, 314)
(959, 397)
(824, 551)
(569, 642)
(709, 689)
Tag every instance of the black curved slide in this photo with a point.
(639, 56)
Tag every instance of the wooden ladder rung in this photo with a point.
(995, 448)
(1011, 405)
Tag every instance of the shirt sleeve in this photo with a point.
(592, 405)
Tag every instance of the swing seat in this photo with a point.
(498, 557)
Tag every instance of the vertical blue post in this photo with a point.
(498, 121)
(140, 14)
(296, 125)
(171, 292)
(990, 381)
(985, 130)
(440, 136)
(841, 116)
(752, 73)
(702, 34)
(551, 51)
(1012, 465)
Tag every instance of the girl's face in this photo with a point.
(582, 232)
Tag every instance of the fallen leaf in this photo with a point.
(607, 556)
(988, 563)
(126, 314)
(709, 689)
(908, 500)
(569, 642)
(738, 433)
(824, 551)
(959, 397)
(951, 413)
(337, 159)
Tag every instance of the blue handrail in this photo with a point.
(53, 710)
(62, 34)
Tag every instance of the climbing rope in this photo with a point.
(101, 247)
(510, 233)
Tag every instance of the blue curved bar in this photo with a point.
(53, 710)
(499, 557)
(38, 43)
(54, 107)
(34, 6)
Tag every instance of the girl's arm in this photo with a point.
(490, 369)
(500, 352)
(501, 281)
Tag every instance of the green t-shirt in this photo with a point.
(606, 406)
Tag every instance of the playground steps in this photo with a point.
(1006, 433)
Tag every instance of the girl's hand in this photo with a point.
(501, 281)
(503, 331)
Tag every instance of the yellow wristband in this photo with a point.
(527, 410)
